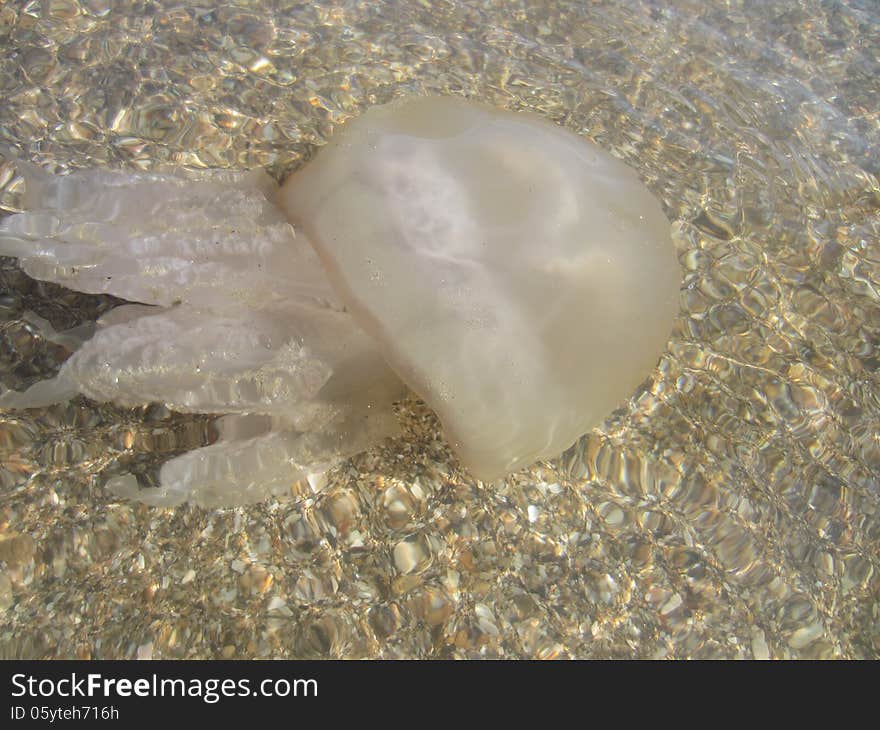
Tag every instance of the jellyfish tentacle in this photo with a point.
(234, 315)
(236, 470)
(163, 238)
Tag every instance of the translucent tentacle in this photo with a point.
(236, 317)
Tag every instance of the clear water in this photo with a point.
(730, 509)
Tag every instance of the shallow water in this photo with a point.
(730, 509)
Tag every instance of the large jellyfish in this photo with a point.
(516, 277)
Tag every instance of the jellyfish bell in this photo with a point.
(516, 277)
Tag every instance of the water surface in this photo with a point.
(729, 509)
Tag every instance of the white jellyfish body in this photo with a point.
(519, 279)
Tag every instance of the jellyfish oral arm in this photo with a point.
(235, 317)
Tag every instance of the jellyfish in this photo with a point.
(513, 275)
